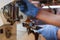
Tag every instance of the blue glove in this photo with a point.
(31, 9)
(49, 32)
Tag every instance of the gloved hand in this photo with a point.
(31, 9)
(49, 32)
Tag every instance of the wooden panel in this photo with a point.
(9, 32)
(30, 37)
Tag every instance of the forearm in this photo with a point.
(42, 15)
(49, 18)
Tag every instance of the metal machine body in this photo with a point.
(12, 13)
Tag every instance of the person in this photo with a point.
(50, 32)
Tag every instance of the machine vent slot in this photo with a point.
(1, 31)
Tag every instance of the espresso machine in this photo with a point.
(13, 15)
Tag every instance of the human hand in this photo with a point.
(49, 32)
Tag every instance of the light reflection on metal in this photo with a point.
(56, 6)
(5, 2)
